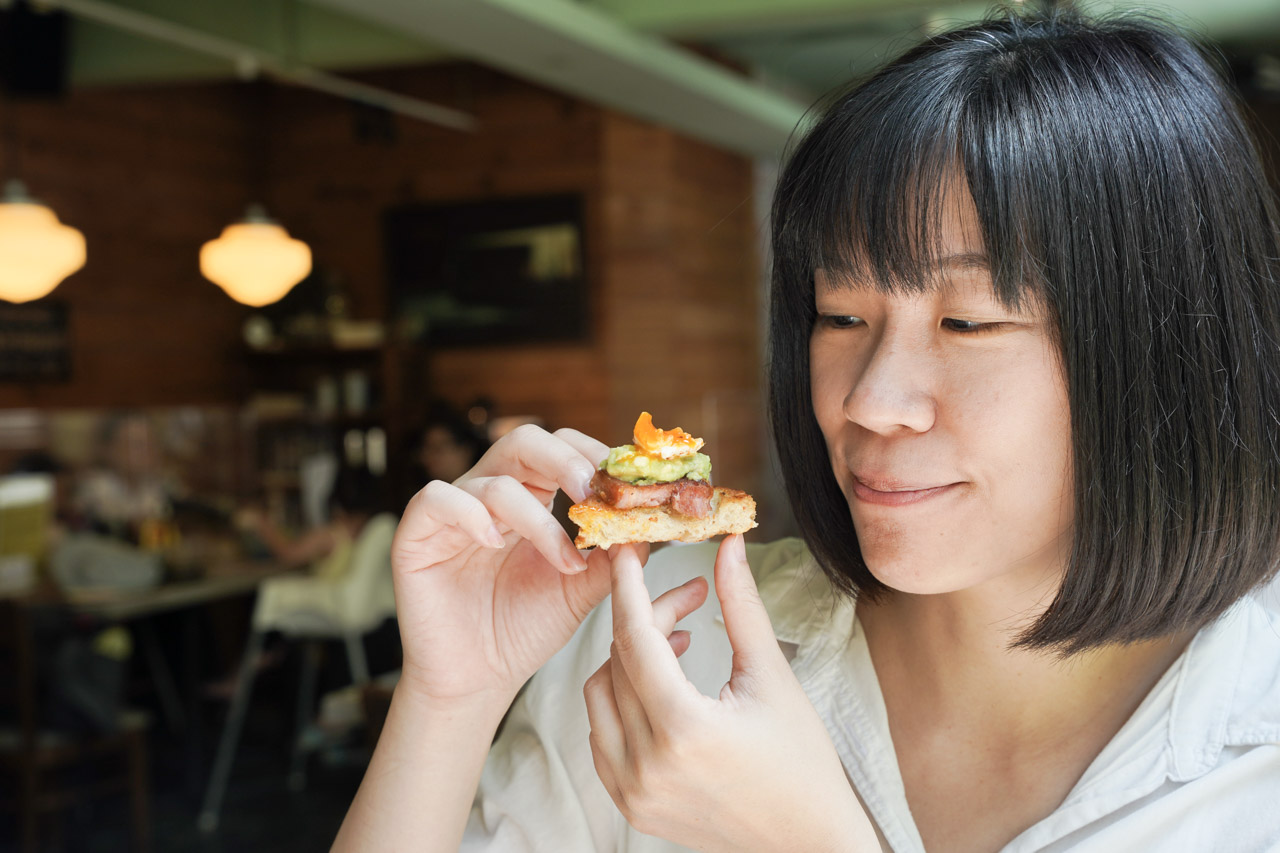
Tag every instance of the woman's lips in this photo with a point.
(895, 495)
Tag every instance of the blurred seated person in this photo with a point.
(127, 485)
(78, 559)
(448, 446)
(356, 498)
(80, 665)
(444, 448)
(327, 549)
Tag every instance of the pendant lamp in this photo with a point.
(36, 250)
(255, 260)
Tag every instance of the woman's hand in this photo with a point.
(488, 585)
(753, 770)
(248, 519)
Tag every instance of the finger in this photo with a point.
(635, 720)
(513, 505)
(679, 641)
(605, 770)
(675, 604)
(534, 456)
(606, 738)
(603, 717)
(745, 619)
(641, 550)
(584, 591)
(440, 504)
(640, 647)
(584, 444)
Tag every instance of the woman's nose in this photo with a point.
(892, 393)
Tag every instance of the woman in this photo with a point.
(128, 487)
(1025, 387)
(444, 448)
(357, 496)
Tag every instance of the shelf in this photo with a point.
(368, 419)
(314, 353)
(280, 479)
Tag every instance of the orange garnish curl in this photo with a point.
(664, 443)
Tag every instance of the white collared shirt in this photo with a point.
(1195, 768)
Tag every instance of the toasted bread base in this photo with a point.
(600, 525)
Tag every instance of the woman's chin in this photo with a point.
(917, 575)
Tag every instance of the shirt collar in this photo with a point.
(1228, 689)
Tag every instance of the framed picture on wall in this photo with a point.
(35, 342)
(488, 272)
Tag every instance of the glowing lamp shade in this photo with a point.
(36, 250)
(255, 260)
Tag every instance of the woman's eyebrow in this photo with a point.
(966, 260)
(976, 262)
(828, 282)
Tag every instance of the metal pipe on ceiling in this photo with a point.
(250, 61)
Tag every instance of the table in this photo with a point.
(219, 582)
(221, 579)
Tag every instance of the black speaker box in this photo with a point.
(33, 52)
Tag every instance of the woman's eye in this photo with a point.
(840, 321)
(969, 326)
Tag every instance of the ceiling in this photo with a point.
(647, 57)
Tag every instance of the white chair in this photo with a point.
(310, 609)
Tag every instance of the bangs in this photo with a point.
(891, 176)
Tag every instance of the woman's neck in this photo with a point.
(989, 739)
(950, 654)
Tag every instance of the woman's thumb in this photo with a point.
(745, 619)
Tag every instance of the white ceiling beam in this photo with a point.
(577, 49)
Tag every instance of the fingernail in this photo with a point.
(739, 547)
(585, 473)
(573, 560)
(493, 538)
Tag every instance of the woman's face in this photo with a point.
(946, 418)
(133, 450)
(444, 457)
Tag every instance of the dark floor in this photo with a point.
(259, 812)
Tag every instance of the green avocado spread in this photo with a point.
(626, 464)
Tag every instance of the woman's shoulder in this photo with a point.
(1244, 651)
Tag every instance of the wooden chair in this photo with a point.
(51, 770)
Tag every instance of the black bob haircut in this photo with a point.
(1116, 184)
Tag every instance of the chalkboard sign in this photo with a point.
(35, 345)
